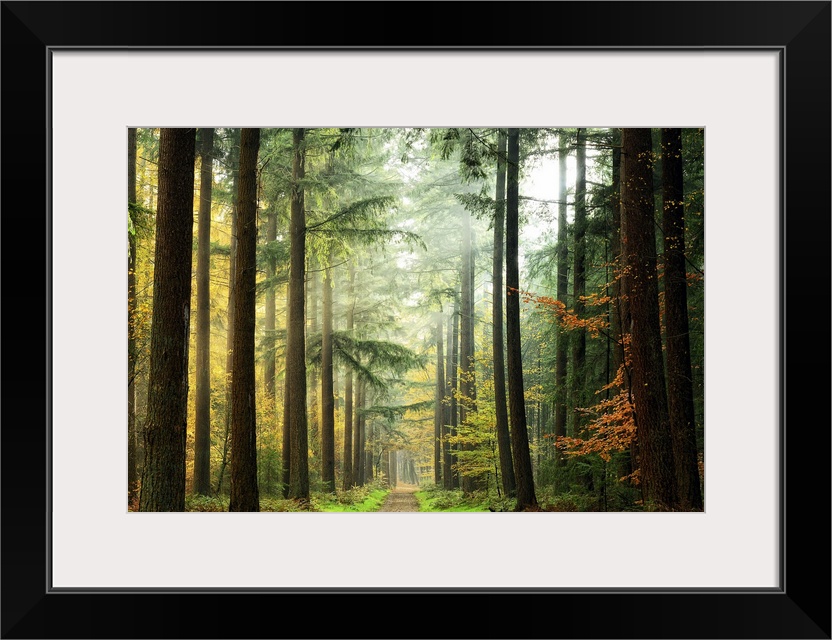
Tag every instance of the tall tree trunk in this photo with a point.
(232, 271)
(449, 412)
(286, 459)
(579, 286)
(562, 293)
(615, 248)
(608, 311)
(498, 292)
(368, 461)
(385, 467)
(312, 373)
(369, 448)
(132, 431)
(270, 325)
(244, 490)
(526, 498)
(617, 261)
(648, 381)
(202, 427)
(679, 375)
(163, 477)
(466, 347)
(270, 366)
(296, 342)
(349, 479)
(358, 420)
(539, 434)
(439, 409)
(455, 388)
(629, 464)
(327, 388)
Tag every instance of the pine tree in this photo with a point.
(296, 344)
(526, 498)
(679, 376)
(244, 489)
(202, 426)
(163, 476)
(656, 462)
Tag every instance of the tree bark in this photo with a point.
(562, 292)
(312, 373)
(454, 388)
(467, 383)
(358, 420)
(286, 458)
(349, 479)
(630, 462)
(615, 249)
(648, 380)
(270, 326)
(579, 286)
(439, 409)
(526, 498)
(202, 426)
(498, 348)
(369, 448)
(449, 408)
(232, 270)
(132, 431)
(270, 366)
(385, 467)
(244, 490)
(679, 374)
(163, 477)
(296, 343)
(368, 464)
(327, 388)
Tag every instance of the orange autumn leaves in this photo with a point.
(611, 427)
(567, 318)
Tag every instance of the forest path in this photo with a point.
(401, 499)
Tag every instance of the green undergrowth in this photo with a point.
(431, 498)
(358, 499)
(206, 503)
(569, 501)
(436, 499)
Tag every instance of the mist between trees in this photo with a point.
(496, 319)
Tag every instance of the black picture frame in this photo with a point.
(800, 31)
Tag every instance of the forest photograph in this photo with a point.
(415, 319)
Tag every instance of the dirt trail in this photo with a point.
(401, 499)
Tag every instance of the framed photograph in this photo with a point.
(754, 76)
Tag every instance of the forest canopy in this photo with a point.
(492, 319)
